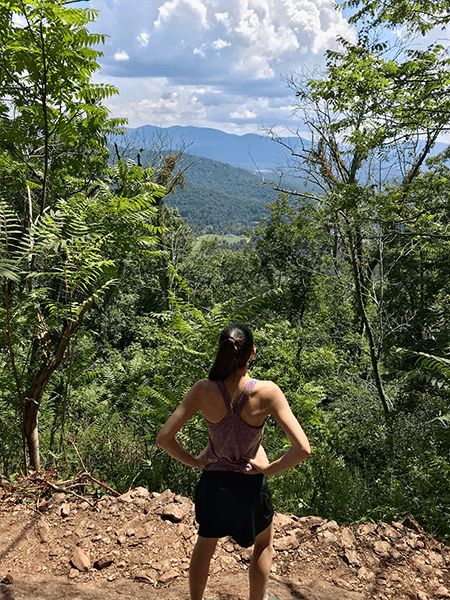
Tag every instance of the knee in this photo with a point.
(263, 544)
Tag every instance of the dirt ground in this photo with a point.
(57, 546)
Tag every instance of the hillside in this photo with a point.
(218, 198)
(137, 546)
(221, 197)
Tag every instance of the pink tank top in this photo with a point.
(232, 438)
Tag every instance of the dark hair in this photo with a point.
(235, 348)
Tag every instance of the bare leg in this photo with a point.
(199, 569)
(261, 563)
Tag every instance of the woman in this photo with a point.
(232, 496)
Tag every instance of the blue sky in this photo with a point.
(212, 63)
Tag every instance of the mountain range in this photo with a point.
(250, 151)
(224, 190)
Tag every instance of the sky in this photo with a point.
(212, 63)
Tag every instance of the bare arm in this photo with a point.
(166, 438)
(300, 448)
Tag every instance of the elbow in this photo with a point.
(161, 441)
(304, 451)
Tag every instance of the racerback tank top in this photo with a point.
(232, 438)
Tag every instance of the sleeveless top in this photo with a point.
(232, 438)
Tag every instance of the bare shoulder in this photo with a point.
(267, 387)
(269, 393)
(204, 385)
(201, 389)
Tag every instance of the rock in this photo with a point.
(382, 548)
(175, 512)
(103, 562)
(347, 538)
(228, 547)
(326, 536)
(281, 521)
(164, 498)
(329, 526)
(127, 497)
(142, 576)
(168, 576)
(312, 521)
(411, 523)
(364, 573)
(65, 510)
(80, 560)
(43, 531)
(288, 542)
(442, 592)
(351, 558)
(7, 579)
(73, 573)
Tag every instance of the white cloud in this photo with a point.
(121, 56)
(235, 51)
(200, 51)
(243, 114)
(219, 44)
(143, 38)
(185, 11)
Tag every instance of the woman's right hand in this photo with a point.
(204, 459)
(260, 462)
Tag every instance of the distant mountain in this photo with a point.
(218, 198)
(223, 192)
(249, 151)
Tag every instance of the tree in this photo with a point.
(374, 117)
(58, 216)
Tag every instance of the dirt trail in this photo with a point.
(138, 547)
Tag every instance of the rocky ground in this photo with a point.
(138, 546)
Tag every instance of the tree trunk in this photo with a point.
(30, 431)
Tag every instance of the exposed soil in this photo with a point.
(138, 546)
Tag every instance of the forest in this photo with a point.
(111, 309)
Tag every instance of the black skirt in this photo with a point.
(235, 504)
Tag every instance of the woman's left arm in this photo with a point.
(166, 438)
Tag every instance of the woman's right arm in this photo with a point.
(300, 448)
(166, 438)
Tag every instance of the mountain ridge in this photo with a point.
(249, 151)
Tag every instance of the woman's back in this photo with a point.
(255, 410)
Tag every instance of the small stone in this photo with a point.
(288, 542)
(364, 573)
(175, 512)
(8, 579)
(442, 592)
(347, 538)
(351, 558)
(80, 560)
(382, 549)
(65, 510)
(326, 536)
(103, 562)
(73, 573)
(168, 576)
(228, 546)
(43, 531)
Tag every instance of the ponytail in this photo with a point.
(235, 348)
